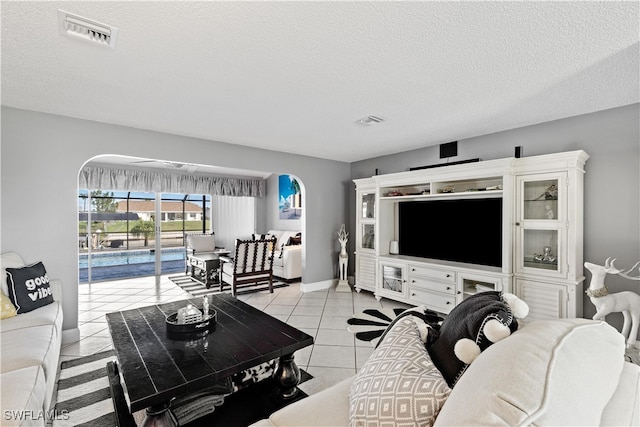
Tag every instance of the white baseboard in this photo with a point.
(70, 336)
(318, 286)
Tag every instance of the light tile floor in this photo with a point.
(335, 355)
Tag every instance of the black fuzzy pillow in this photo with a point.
(470, 328)
(29, 287)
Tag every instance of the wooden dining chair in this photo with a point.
(251, 265)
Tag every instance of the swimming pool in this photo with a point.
(124, 264)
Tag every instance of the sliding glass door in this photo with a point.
(181, 214)
(127, 234)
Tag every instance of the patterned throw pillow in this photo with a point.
(29, 287)
(398, 385)
(8, 310)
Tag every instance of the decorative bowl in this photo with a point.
(207, 323)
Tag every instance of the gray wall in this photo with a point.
(612, 179)
(42, 155)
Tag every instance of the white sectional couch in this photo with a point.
(287, 259)
(30, 354)
(549, 373)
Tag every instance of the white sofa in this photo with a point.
(30, 349)
(549, 373)
(287, 259)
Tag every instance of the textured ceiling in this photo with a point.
(296, 76)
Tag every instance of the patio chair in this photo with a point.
(252, 264)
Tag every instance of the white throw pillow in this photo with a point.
(9, 260)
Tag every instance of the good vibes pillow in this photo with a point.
(29, 287)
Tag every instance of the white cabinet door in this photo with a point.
(366, 220)
(545, 301)
(392, 280)
(541, 223)
(365, 273)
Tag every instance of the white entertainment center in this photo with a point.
(540, 243)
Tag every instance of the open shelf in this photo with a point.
(467, 186)
(405, 191)
(458, 189)
(472, 287)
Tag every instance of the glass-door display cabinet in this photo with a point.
(367, 220)
(548, 253)
(541, 223)
(365, 234)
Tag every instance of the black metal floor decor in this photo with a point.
(371, 323)
(197, 289)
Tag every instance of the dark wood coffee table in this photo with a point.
(154, 368)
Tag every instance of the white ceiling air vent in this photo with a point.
(85, 29)
(370, 120)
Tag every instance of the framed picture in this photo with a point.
(290, 198)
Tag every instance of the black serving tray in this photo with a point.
(207, 323)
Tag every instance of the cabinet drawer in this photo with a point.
(198, 263)
(440, 302)
(445, 275)
(432, 285)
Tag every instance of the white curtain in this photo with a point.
(233, 218)
(103, 178)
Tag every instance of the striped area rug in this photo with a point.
(197, 289)
(84, 399)
(84, 393)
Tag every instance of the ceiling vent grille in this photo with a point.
(370, 120)
(87, 30)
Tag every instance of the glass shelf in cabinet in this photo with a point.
(541, 209)
(530, 262)
(368, 206)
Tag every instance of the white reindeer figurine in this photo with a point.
(626, 302)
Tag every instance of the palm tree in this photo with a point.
(146, 228)
(295, 186)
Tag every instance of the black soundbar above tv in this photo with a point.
(439, 165)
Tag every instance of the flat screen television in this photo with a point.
(461, 230)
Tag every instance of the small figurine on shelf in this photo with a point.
(550, 193)
(548, 211)
(546, 256)
(449, 189)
